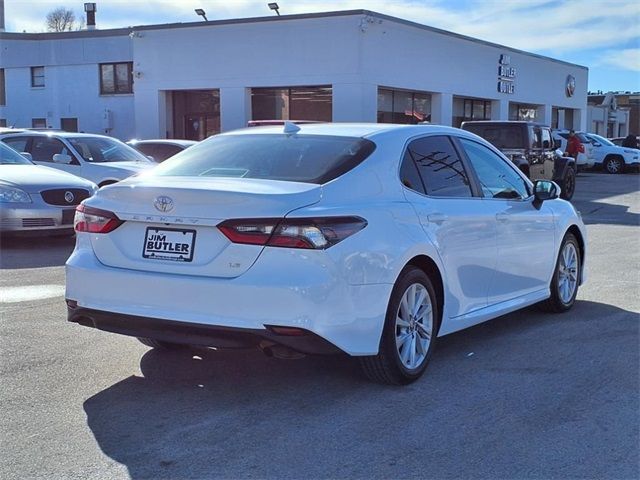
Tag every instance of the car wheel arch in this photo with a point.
(429, 266)
(575, 231)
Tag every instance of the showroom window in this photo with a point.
(38, 123)
(292, 103)
(37, 76)
(116, 78)
(196, 114)
(439, 166)
(522, 111)
(3, 122)
(3, 98)
(466, 109)
(400, 106)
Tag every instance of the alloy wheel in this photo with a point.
(414, 326)
(568, 273)
(614, 165)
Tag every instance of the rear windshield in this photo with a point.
(502, 137)
(295, 158)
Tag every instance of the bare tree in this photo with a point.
(61, 20)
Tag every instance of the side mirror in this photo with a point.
(544, 190)
(62, 158)
(558, 153)
(27, 155)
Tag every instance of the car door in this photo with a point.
(525, 234)
(439, 188)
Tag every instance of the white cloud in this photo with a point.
(626, 59)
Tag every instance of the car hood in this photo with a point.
(34, 178)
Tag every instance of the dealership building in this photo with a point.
(191, 80)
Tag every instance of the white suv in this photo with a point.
(585, 159)
(98, 158)
(611, 157)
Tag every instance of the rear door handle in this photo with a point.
(502, 217)
(437, 217)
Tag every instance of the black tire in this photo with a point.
(150, 342)
(555, 303)
(613, 164)
(568, 186)
(387, 367)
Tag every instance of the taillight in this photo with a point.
(309, 233)
(95, 220)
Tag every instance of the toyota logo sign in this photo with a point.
(69, 197)
(163, 204)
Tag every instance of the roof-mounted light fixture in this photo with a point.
(200, 12)
(274, 6)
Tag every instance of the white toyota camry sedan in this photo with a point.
(366, 239)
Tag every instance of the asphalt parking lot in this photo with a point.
(529, 395)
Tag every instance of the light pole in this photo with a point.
(274, 6)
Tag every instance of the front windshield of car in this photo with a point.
(105, 150)
(603, 140)
(295, 158)
(8, 156)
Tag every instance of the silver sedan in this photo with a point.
(34, 198)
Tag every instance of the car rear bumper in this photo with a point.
(276, 291)
(198, 334)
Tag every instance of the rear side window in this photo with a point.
(162, 151)
(440, 167)
(501, 137)
(295, 158)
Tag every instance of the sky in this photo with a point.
(601, 35)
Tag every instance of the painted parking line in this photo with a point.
(30, 293)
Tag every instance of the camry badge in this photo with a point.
(69, 197)
(163, 203)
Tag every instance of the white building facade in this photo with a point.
(193, 80)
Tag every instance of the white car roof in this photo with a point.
(44, 133)
(167, 141)
(349, 129)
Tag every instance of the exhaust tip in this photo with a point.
(281, 352)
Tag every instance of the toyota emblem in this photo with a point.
(163, 204)
(69, 197)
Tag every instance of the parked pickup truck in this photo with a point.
(531, 147)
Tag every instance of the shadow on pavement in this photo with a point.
(494, 399)
(601, 198)
(35, 252)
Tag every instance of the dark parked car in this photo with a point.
(160, 149)
(531, 147)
